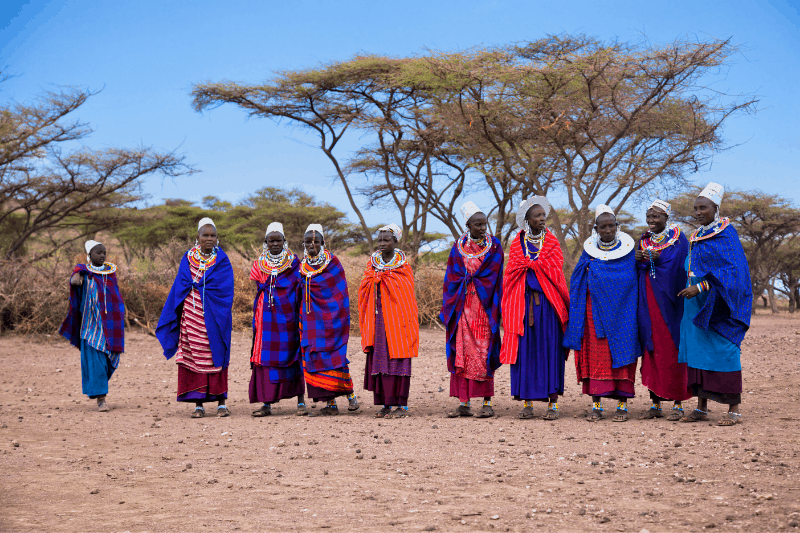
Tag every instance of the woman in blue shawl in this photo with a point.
(602, 316)
(196, 322)
(716, 315)
(96, 321)
(473, 287)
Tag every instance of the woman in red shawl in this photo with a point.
(387, 312)
(535, 310)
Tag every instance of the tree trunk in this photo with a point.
(772, 301)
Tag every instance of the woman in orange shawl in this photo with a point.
(387, 313)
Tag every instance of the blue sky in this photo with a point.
(146, 54)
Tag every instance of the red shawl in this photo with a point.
(550, 274)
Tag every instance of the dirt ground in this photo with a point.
(146, 466)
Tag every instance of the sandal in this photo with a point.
(383, 412)
(103, 407)
(329, 410)
(199, 412)
(696, 416)
(301, 410)
(652, 413)
(485, 412)
(595, 415)
(461, 410)
(222, 411)
(398, 412)
(730, 419)
(551, 414)
(264, 410)
(621, 415)
(526, 413)
(676, 414)
(353, 405)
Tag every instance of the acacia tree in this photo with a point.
(594, 121)
(769, 226)
(59, 196)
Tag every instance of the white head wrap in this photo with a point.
(394, 228)
(603, 208)
(713, 192)
(275, 227)
(315, 227)
(205, 221)
(662, 205)
(469, 209)
(527, 204)
(89, 245)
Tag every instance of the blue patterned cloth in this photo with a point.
(613, 286)
(720, 261)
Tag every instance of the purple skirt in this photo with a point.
(721, 387)
(386, 389)
(264, 391)
(465, 388)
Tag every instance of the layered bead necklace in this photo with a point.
(274, 265)
(485, 243)
(607, 246)
(201, 262)
(657, 242)
(709, 230)
(536, 240)
(311, 267)
(397, 260)
(105, 270)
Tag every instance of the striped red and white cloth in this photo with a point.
(194, 350)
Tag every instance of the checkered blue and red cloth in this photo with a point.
(613, 286)
(720, 260)
(326, 328)
(112, 311)
(488, 282)
(276, 337)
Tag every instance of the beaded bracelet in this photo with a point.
(703, 286)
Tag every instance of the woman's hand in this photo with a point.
(689, 292)
(644, 256)
(76, 279)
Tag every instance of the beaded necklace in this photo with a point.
(274, 265)
(651, 242)
(202, 262)
(106, 269)
(536, 240)
(398, 260)
(714, 228)
(485, 242)
(606, 246)
(308, 271)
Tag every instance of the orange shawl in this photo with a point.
(399, 307)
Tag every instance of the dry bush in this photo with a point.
(33, 298)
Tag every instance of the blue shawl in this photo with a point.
(216, 286)
(669, 281)
(488, 281)
(614, 291)
(720, 260)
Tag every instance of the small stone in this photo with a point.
(502, 439)
(710, 525)
(581, 511)
(230, 485)
(15, 444)
(604, 519)
(441, 389)
(358, 451)
(730, 517)
(430, 528)
(188, 465)
(374, 456)
(677, 444)
(95, 491)
(387, 441)
(212, 481)
(58, 370)
(360, 456)
(434, 426)
(644, 530)
(794, 523)
(495, 517)
(180, 441)
(580, 482)
(123, 501)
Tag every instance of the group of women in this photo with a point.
(681, 305)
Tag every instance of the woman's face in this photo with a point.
(207, 238)
(386, 242)
(274, 242)
(536, 218)
(98, 255)
(704, 210)
(478, 225)
(312, 242)
(606, 227)
(656, 220)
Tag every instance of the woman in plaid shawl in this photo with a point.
(387, 314)
(96, 321)
(718, 300)
(473, 285)
(324, 324)
(603, 328)
(196, 322)
(535, 304)
(275, 356)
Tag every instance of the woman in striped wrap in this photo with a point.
(535, 310)
(324, 324)
(95, 323)
(387, 312)
(275, 356)
(196, 322)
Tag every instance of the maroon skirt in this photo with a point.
(721, 387)
(264, 391)
(465, 388)
(202, 386)
(386, 389)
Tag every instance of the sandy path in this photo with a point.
(155, 469)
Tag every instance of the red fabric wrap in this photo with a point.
(549, 270)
